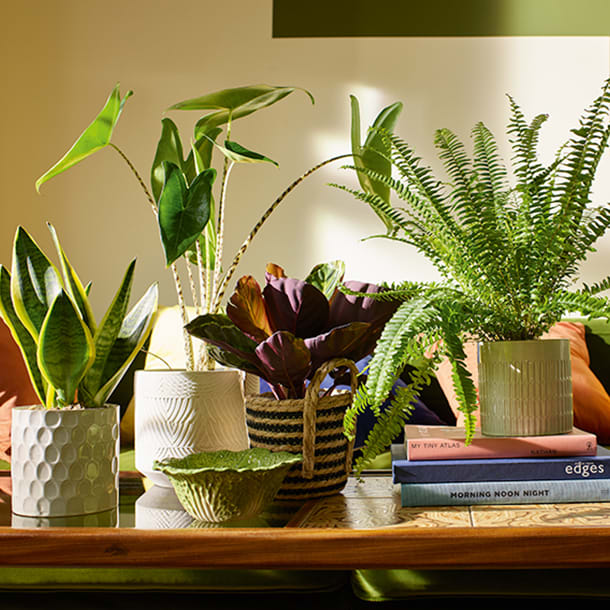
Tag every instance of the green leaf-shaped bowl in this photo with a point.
(221, 486)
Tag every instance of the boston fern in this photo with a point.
(508, 249)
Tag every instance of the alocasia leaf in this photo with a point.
(285, 360)
(231, 104)
(295, 306)
(169, 148)
(96, 136)
(246, 308)
(200, 156)
(326, 277)
(367, 154)
(65, 348)
(183, 211)
(35, 282)
(239, 154)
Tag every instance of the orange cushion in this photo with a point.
(591, 402)
(15, 386)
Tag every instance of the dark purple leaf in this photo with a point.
(352, 341)
(219, 330)
(295, 306)
(285, 360)
(345, 308)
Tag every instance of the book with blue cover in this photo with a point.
(505, 492)
(567, 468)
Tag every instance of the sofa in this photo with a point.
(590, 348)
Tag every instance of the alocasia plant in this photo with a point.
(285, 331)
(191, 220)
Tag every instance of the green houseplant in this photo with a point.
(189, 203)
(65, 455)
(507, 247)
(293, 333)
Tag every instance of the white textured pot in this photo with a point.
(525, 387)
(183, 412)
(64, 462)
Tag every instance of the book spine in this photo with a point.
(449, 449)
(509, 492)
(524, 469)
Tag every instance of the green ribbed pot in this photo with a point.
(222, 486)
(525, 387)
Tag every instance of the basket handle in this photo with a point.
(312, 396)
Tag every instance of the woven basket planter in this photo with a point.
(312, 426)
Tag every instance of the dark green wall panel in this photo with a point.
(349, 18)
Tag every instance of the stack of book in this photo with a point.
(435, 468)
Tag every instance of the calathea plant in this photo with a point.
(285, 331)
(191, 219)
(508, 249)
(70, 358)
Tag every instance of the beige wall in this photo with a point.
(61, 58)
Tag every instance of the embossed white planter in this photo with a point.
(525, 387)
(183, 412)
(64, 462)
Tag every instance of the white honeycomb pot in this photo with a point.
(182, 412)
(525, 387)
(64, 462)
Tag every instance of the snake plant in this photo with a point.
(70, 358)
(508, 246)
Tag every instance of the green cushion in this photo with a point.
(277, 581)
(391, 585)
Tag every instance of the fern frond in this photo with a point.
(390, 423)
(598, 287)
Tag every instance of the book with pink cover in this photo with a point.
(448, 442)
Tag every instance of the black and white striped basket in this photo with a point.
(312, 426)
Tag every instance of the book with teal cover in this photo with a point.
(505, 492)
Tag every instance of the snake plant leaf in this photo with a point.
(219, 330)
(239, 154)
(285, 360)
(65, 348)
(133, 333)
(35, 282)
(183, 211)
(72, 283)
(231, 104)
(96, 136)
(371, 154)
(108, 331)
(169, 148)
(21, 335)
(326, 277)
(246, 308)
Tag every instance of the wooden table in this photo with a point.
(364, 527)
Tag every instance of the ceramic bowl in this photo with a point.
(225, 485)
